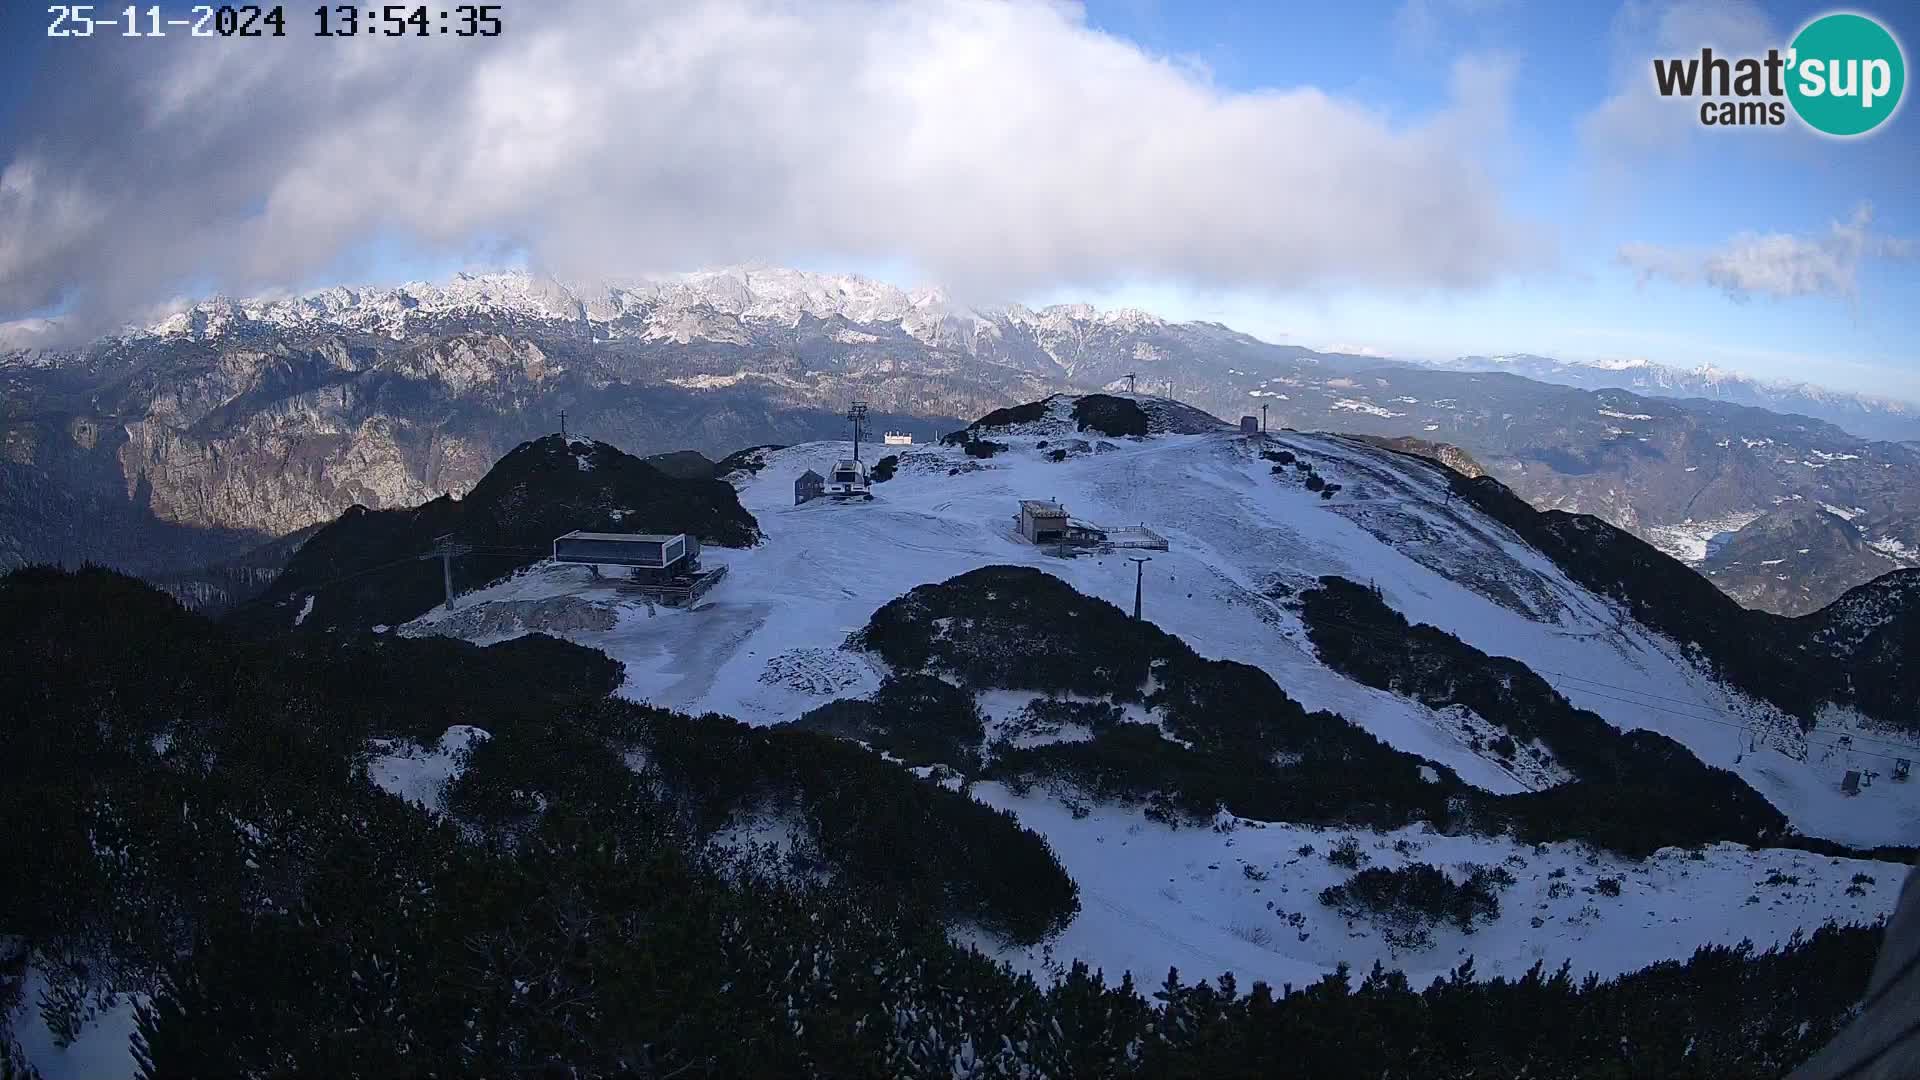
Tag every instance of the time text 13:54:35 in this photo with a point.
(251, 20)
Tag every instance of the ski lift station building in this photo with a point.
(662, 552)
(849, 480)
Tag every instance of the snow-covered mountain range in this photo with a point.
(681, 306)
(230, 422)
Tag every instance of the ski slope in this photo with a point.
(763, 646)
(766, 645)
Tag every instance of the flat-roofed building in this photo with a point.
(667, 553)
(1041, 521)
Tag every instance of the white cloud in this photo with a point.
(1776, 264)
(995, 146)
(1357, 350)
(1634, 121)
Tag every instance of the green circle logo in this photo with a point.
(1846, 73)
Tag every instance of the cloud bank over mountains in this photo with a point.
(1779, 265)
(992, 147)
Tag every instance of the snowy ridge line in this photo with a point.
(1719, 718)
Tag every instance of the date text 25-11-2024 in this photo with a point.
(251, 20)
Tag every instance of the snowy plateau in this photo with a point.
(771, 641)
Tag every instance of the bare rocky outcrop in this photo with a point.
(556, 615)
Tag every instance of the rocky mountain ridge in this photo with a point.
(1869, 416)
(233, 422)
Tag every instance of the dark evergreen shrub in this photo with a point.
(921, 719)
(1014, 414)
(1109, 415)
(1413, 897)
(1346, 852)
(1094, 715)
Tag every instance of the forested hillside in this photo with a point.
(196, 842)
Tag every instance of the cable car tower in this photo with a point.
(849, 478)
(857, 413)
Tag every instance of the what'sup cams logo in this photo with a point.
(1842, 75)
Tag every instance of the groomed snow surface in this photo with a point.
(766, 645)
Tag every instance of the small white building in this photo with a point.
(897, 438)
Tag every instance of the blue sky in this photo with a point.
(1679, 195)
(1697, 195)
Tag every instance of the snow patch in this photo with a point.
(1895, 548)
(1367, 407)
(1243, 896)
(1691, 541)
(421, 776)
(103, 1050)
